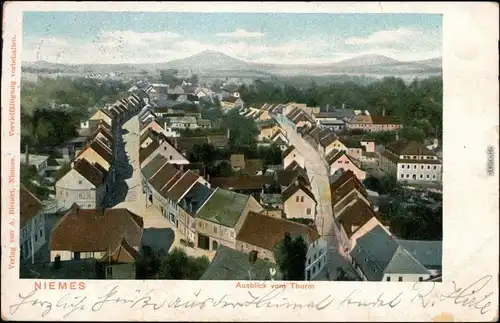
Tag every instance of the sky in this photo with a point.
(291, 38)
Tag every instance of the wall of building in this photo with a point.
(262, 253)
(216, 232)
(298, 209)
(405, 277)
(419, 172)
(294, 155)
(344, 163)
(316, 258)
(120, 271)
(74, 188)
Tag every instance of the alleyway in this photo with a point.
(317, 171)
(158, 231)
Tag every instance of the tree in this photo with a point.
(224, 169)
(291, 255)
(271, 155)
(204, 153)
(178, 265)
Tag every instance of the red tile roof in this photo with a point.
(97, 230)
(266, 232)
(124, 253)
(357, 215)
(180, 187)
(94, 173)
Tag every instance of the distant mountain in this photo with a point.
(214, 64)
(367, 60)
(209, 60)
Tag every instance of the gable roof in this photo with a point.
(81, 230)
(223, 207)
(287, 177)
(408, 147)
(328, 139)
(195, 197)
(230, 264)
(153, 166)
(187, 143)
(147, 151)
(29, 206)
(356, 215)
(376, 119)
(182, 185)
(124, 253)
(218, 141)
(162, 176)
(428, 253)
(288, 151)
(91, 173)
(346, 187)
(294, 188)
(266, 232)
(102, 150)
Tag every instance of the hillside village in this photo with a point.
(132, 194)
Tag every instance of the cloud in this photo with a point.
(125, 46)
(386, 37)
(240, 33)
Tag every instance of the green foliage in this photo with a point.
(243, 131)
(385, 185)
(204, 153)
(44, 127)
(65, 168)
(290, 255)
(169, 77)
(419, 104)
(223, 169)
(271, 155)
(413, 221)
(178, 265)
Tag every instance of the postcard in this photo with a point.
(250, 161)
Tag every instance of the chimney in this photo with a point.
(435, 142)
(228, 133)
(175, 142)
(27, 155)
(383, 112)
(397, 135)
(343, 105)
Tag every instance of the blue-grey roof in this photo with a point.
(195, 198)
(229, 264)
(153, 166)
(377, 253)
(428, 253)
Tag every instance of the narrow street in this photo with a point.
(318, 174)
(158, 231)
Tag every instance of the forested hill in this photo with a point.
(419, 103)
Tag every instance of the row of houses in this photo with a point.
(93, 170)
(214, 212)
(368, 243)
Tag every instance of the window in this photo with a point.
(388, 278)
(402, 166)
(421, 176)
(428, 167)
(309, 261)
(76, 255)
(433, 176)
(420, 279)
(302, 199)
(407, 175)
(427, 176)
(400, 279)
(232, 234)
(308, 211)
(79, 182)
(402, 175)
(422, 167)
(414, 166)
(170, 157)
(314, 269)
(36, 237)
(434, 167)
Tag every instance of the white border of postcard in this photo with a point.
(470, 286)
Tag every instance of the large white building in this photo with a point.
(411, 161)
